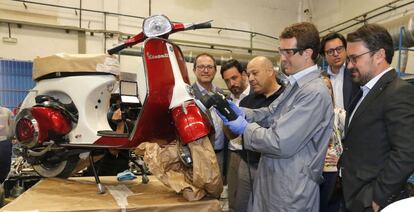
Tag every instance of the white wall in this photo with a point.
(263, 16)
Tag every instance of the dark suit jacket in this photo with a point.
(349, 88)
(378, 152)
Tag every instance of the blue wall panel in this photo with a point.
(15, 81)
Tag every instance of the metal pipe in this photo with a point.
(189, 56)
(399, 49)
(245, 31)
(104, 44)
(75, 8)
(149, 7)
(365, 16)
(80, 13)
(71, 28)
(138, 17)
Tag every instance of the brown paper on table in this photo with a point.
(79, 194)
(195, 182)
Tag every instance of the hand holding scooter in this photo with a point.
(232, 116)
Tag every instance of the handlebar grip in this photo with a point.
(204, 25)
(117, 48)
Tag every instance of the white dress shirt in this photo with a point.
(235, 144)
(337, 81)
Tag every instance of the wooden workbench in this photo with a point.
(80, 194)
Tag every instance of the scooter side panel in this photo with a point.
(90, 94)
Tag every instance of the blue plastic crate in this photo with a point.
(15, 81)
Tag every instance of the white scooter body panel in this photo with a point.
(89, 93)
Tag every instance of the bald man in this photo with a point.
(262, 80)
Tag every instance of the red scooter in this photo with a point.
(58, 124)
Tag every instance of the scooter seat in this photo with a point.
(110, 133)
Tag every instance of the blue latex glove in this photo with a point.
(237, 126)
(236, 109)
(125, 175)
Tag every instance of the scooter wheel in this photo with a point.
(62, 169)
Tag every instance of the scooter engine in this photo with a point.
(38, 124)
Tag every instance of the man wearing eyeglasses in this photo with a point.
(333, 48)
(205, 69)
(291, 134)
(379, 138)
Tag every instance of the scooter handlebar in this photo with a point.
(130, 42)
(117, 48)
(203, 25)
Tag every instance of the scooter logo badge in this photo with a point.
(157, 56)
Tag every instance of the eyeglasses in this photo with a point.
(202, 67)
(338, 50)
(353, 58)
(289, 52)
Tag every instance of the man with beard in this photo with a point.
(379, 137)
(235, 77)
(292, 134)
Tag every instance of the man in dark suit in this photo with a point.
(333, 48)
(378, 152)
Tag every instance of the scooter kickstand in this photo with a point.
(99, 186)
(141, 165)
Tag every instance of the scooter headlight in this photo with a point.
(156, 25)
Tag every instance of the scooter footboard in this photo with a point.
(190, 122)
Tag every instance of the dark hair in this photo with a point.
(331, 36)
(307, 37)
(230, 64)
(374, 37)
(204, 54)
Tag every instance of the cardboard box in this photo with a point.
(80, 194)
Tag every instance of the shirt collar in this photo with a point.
(242, 95)
(300, 74)
(374, 80)
(203, 90)
(341, 70)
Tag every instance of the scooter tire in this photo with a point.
(64, 169)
